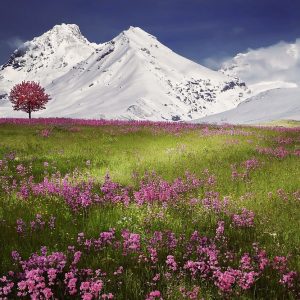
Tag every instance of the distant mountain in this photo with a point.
(272, 105)
(133, 76)
(273, 76)
(276, 66)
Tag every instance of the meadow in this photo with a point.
(142, 210)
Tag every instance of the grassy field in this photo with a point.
(284, 123)
(149, 211)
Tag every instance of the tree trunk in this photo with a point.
(29, 114)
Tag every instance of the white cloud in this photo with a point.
(14, 42)
(214, 63)
(276, 63)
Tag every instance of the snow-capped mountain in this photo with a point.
(276, 66)
(47, 57)
(133, 76)
(273, 76)
(271, 105)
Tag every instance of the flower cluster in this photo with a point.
(38, 224)
(279, 152)
(46, 275)
(246, 168)
(42, 275)
(79, 194)
(244, 219)
(154, 189)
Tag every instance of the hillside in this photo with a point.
(268, 106)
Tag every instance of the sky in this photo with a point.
(206, 31)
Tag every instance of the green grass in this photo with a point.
(284, 123)
(122, 154)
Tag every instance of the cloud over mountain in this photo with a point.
(274, 66)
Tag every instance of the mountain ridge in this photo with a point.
(133, 76)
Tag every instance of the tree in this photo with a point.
(28, 96)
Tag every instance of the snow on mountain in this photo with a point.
(133, 76)
(276, 66)
(275, 104)
(273, 76)
(47, 57)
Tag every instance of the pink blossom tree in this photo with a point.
(28, 96)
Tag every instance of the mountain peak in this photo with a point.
(66, 29)
(132, 28)
(67, 32)
(135, 29)
(49, 55)
(137, 33)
